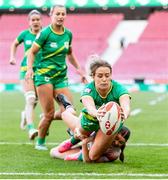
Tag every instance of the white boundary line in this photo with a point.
(82, 174)
(157, 100)
(57, 143)
(147, 144)
(135, 112)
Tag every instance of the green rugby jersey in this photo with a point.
(114, 94)
(26, 37)
(54, 48)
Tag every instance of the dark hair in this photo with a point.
(96, 62)
(34, 11)
(53, 7)
(125, 132)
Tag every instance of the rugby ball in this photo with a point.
(111, 122)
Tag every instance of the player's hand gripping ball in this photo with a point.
(111, 122)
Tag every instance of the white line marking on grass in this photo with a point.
(81, 174)
(57, 143)
(158, 99)
(153, 102)
(25, 143)
(147, 144)
(135, 112)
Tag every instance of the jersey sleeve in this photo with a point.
(87, 91)
(120, 90)
(21, 36)
(70, 37)
(41, 37)
(70, 42)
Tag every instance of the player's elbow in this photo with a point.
(93, 156)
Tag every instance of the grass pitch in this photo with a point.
(146, 155)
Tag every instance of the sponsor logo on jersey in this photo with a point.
(28, 42)
(53, 45)
(47, 79)
(66, 45)
(87, 90)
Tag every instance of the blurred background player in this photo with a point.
(81, 152)
(27, 37)
(55, 43)
(98, 92)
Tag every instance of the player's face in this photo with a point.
(35, 22)
(119, 140)
(58, 16)
(102, 78)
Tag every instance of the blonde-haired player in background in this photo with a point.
(27, 37)
(50, 75)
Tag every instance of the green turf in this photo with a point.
(149, 127)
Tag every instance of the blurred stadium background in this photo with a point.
(133, 36)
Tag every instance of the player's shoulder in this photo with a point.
(22, 35)
(116, 83)
(90, 84)
(68, 31)
(25, 31)
(46, 29)
(119, 87)
(44, 33)
(89, 87)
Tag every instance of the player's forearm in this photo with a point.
(85, 152)
(92, 111)
(73, 61)
(13, 50)
(30, 60)
(89, 105)
(125, 105)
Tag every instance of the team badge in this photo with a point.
(47, 79)
(53, 45)
(87, 90)
(66, 45)
(28, 42)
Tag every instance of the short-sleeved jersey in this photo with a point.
(116, 91)
(54, 48)
(26, 37)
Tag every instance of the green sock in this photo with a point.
(80, 158)
(41, 141)
(74, 141)
(30, 126)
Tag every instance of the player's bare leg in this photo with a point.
(30, 103)
(45, 94)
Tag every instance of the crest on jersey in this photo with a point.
(66, 45)
(47, 79)
(28, 42)
(87, 90)
(53, 45)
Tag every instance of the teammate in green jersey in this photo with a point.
(98, 92)
(50, 76)
(27, 37)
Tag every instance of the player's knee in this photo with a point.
(68, 112)
(64, 115)
(57, 115)
(30, 97)
(49, 116)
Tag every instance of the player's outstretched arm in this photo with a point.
(13, 50)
